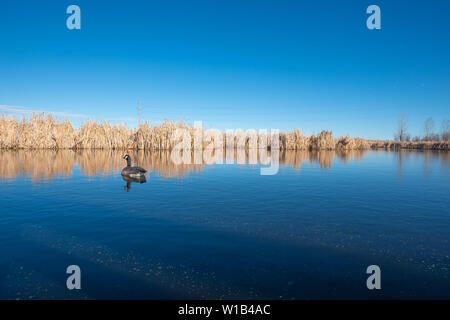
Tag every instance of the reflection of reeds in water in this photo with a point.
(293, 158)
(347, 155)
(98, 162)
(37, 164)
(103, 162)
(160, 161)
(46, 164)
(324, 158)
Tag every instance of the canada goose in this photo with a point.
(133, 172)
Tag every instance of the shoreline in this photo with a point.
(44, 132)
(438, 145)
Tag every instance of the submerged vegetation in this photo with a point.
(44, 132)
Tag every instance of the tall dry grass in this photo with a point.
(419, 145)
(44, 132)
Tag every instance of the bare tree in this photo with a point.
(445, 130)
(401, 134)
(429, 127)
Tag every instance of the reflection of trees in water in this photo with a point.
(445, 161)
(427, 163)
(400, 159)
(46, 164)
(427, 157)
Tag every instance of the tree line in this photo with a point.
(429, 131)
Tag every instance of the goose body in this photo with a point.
(132, 172)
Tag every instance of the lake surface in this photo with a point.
(225, 231)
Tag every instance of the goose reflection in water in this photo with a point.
(130, 180)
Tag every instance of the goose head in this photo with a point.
(128, 158)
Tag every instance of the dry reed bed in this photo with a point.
(44, 132)
(417, 145)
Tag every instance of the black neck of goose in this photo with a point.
(128, 162)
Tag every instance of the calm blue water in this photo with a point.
(225, 231)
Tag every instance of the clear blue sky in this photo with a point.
(232, 63)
